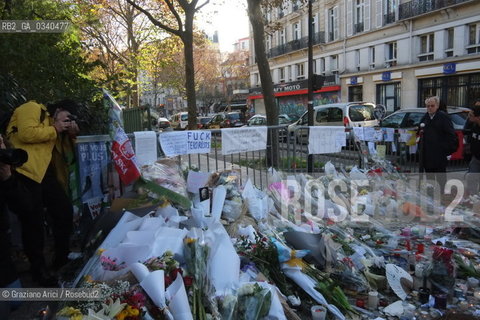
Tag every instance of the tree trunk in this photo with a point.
(256, 19)
(189, 71)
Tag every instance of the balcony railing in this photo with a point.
(389, 18)
(358, 27)
(295, 45)
(418, 7)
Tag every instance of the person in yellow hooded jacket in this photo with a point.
(46, 133)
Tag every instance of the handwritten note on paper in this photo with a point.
(236, 140)
(185, 142)
(369, 133)
(371, 147)
(324, 139)
(388, 134)
(173, 143)
(341, 139)
(199, 141)
(381, 151)
(145, 147)
(358, 132)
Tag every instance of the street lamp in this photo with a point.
(310, 78)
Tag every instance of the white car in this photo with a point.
(350, 114)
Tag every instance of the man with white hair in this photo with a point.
(438, 141)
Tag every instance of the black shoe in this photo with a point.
(44, 278)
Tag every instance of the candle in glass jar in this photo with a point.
(373, 300)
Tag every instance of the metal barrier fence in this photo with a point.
(137, 119)
(288, 152)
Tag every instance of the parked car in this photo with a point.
(163, 123)
(227, 120)
(410, 118)
(179, 121)
(288, 118)
(350, 114)
(261, 120)
(202, 122)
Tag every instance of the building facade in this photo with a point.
(391, 52)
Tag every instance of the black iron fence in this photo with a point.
(418, 7)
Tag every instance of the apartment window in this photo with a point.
(334, 64)
(389, 7)
(280, 13)
(449, 42)
(282, 74)
(357, 59)
(296, 31)
(314, 23)
(256, 79)
(371, 57)
(281, 36)
(332, 24)
(268, 43)
(359, 10)
(322, 66)
(473, 38)
(426, 47)
(391, 54)
(300, 67)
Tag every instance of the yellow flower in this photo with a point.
(295, 262)
(189, 240)
(72, 313)
(88, 278)
(100, 251)
(363, 192)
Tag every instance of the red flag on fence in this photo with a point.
(124, 157)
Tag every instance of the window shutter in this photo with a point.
(349, 18)
(327, 30)
(367, 15)
(378, 13)
(335, 23)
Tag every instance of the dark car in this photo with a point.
(227, 120)
(202, 122)
(410, 118)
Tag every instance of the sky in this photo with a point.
(228, 18)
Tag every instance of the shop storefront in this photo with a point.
(291, 98)
(458, 84)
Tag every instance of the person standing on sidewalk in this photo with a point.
(438, 141)
(472, 134)
(43, 132)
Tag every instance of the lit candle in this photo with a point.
(318, 312)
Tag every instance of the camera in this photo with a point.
(13, 157)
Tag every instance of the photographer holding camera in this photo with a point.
(46, 133)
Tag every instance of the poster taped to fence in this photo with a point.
(145, 147)
(236, 140)
(326, 139)
(185, 142)
(93, 162)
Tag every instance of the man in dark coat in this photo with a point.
(472, 134)
(438, 141)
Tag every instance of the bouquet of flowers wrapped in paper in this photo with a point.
(233, 205)
(196, 253)
(164, 179)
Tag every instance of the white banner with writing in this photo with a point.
(326, 139)
(236, 140)
(185, 142)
